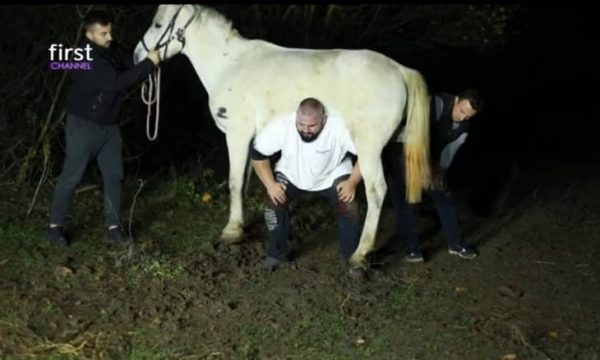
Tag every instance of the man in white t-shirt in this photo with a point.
(314, 158)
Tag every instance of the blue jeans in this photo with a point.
(393, 164)
(277, 218)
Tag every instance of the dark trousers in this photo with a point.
(277, 218)
(87, 141)
(393, 164)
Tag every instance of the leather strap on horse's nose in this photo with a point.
(179, 33)
(144, 45)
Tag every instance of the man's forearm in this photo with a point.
(263, 171)
(356, 175)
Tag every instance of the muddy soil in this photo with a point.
(178, 293)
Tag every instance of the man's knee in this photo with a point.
(69, 179)
(113, 175)
(279, 177)
(271, 205)
(347, 209)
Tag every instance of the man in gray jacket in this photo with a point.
(449, 125)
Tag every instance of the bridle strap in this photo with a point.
(180, 33)
(151, 92)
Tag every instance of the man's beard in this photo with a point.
(310, 138)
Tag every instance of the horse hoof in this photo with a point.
(357, 273)
(231, 237)
(357, 260)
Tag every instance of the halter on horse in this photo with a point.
(149, 93)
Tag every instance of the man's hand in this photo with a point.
(346, 190)
(276, 193)
(154, 55)
(438, 178)
(275, 189)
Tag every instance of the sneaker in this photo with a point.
(115, 236)
(271, 263)
(57, 236)
(414, 257)
(464, 252)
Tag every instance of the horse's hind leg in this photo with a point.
(237, 146)
(375, 188)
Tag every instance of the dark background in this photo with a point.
(534, 74)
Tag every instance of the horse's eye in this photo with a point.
(157, 25)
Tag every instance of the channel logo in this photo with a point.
(67, 58)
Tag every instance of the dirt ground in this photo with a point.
(177, 293)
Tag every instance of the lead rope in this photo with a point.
(149, 97)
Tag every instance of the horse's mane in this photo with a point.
(213, 18)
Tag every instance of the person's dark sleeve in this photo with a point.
(256, 155)
(107, 78)
(450, 151)
(124, 58)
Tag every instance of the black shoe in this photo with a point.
(465, 252)
(115, 236)
(414, 256)
(57, 236)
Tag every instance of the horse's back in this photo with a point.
(339, 64)
(358, 85)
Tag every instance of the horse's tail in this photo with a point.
(416, 135)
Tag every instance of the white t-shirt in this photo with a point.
(310, 166)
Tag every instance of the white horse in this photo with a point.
(250, 82)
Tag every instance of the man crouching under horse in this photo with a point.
(314, 159)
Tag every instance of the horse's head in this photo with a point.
(167, 32)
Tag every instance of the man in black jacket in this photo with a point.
(449, 125)
(92, 130)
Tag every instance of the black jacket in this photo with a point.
(95, 95)
(443, 135)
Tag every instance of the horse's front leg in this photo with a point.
(375, 188)
(237, 146)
